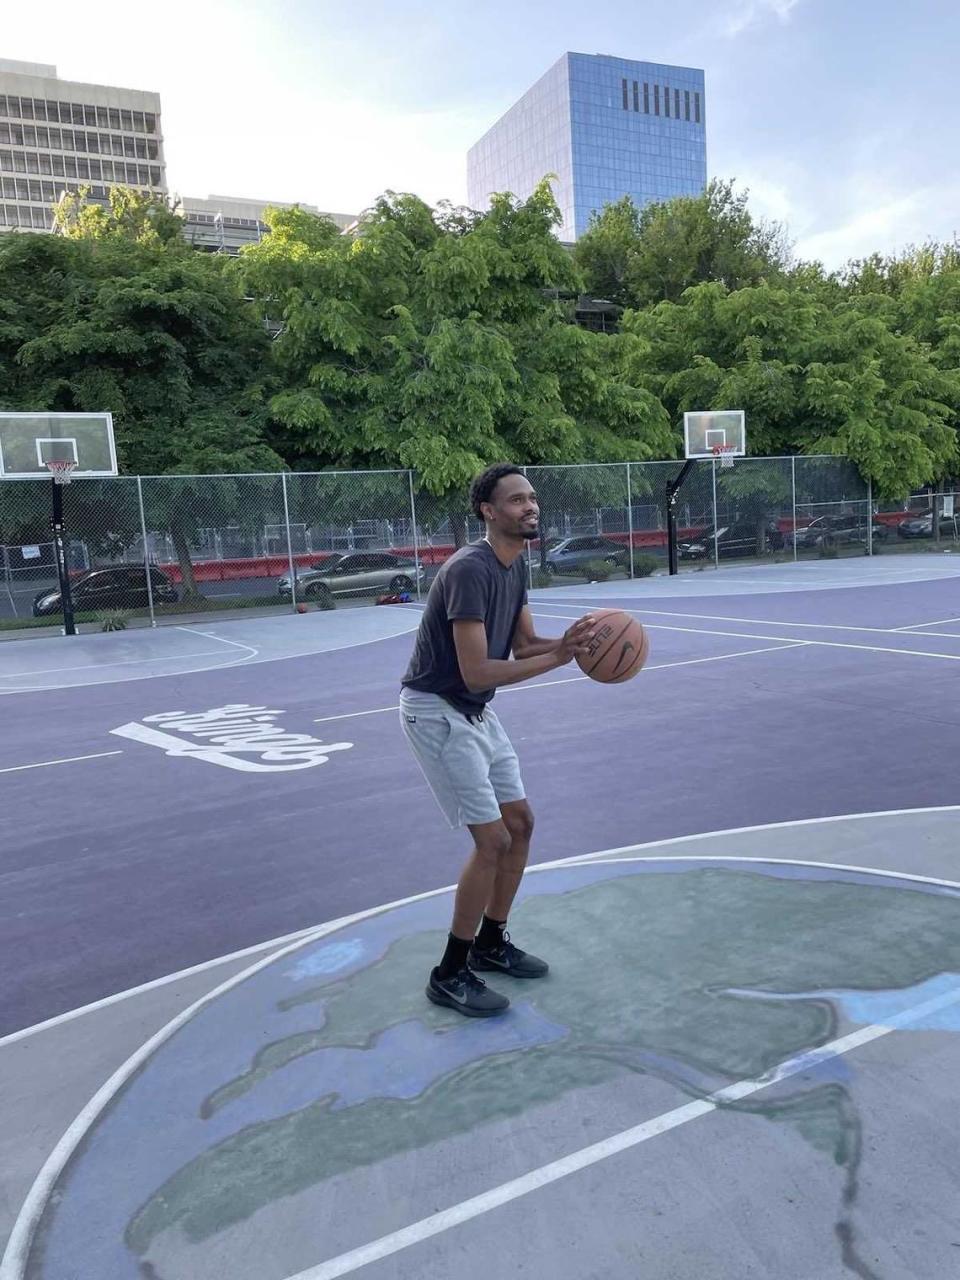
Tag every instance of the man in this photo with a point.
(476, 614)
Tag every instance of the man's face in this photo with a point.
(513, 507)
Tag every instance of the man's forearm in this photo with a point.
(493, 673)
(535, 647)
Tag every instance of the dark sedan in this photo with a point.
(572, 555)
(921, 526)
(741, 539)
(123, 587)
(835, 530)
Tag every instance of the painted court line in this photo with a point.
(546, 684)
(44, 764)
(536, 1179)
(609, 854)
(765, 622)
(21, 1237)
(114, 662)
(747, 635)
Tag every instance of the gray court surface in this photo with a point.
(743, 1062)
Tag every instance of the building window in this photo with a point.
(90, 116)
(696, 107)
(676, 103)
(656, 99)
(126, 120)
(138, 122)
(26, 108)
(103, 120)
(686, 104)
(151, 122)
(646, 98)
(76, 111)
(40, 108)
(666, 101)
(114, 115)
(53, 111)
(636, 96)
(623, 84)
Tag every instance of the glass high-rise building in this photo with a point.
(605, 127)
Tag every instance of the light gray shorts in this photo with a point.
(471, 766)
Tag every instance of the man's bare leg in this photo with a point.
(518, 820)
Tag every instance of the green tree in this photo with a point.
(813, 378)
(430, 341)
(117, 314)
(640, 257)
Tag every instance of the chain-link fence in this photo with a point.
(143, 550)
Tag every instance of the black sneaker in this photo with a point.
(466, 993)
(507, 959)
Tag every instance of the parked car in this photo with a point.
(123, 587)
(920, 525)
(570, 555)
(354, 573)
(835, 530)
(738, 539)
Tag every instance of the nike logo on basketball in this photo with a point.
(628, 647)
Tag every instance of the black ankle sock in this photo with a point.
(454, 958)
(491, 933)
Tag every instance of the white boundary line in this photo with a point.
(466, 1210)
(24, 1228)
(764, 622)
(223, 666)
(275, 943)
(747, 635)
(114, 662)
(43, 764)
(546, 684)
(937, 622)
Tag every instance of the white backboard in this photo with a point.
(704, 430)
(29, 440)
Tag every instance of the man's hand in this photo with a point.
(575, 639)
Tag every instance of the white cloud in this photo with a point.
(749, 13)
(887, 226)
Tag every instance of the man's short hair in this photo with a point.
(484, 484)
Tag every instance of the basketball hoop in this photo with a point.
(61, 469)
(725, 453)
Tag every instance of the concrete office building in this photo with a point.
(57, 135)
(605, 127)
(224, 224)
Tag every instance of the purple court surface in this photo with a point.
(224, 880)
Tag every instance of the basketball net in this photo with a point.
(725, 453)
(61, 469)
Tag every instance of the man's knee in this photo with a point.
(518, 820)
(492, 840)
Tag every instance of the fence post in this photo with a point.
(870, 517)
(146, 553)
(416, 539)
(630, 519)
(286, 518)
(716, 517)
(529, 552)
(793, 488)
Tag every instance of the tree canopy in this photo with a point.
(441, 339)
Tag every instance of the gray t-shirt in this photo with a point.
(471, 586)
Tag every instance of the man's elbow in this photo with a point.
(474, 680)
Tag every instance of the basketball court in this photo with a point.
(225, 882)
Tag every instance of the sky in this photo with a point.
(839, 116)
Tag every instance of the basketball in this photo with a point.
(302, 608)
(618, 650)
